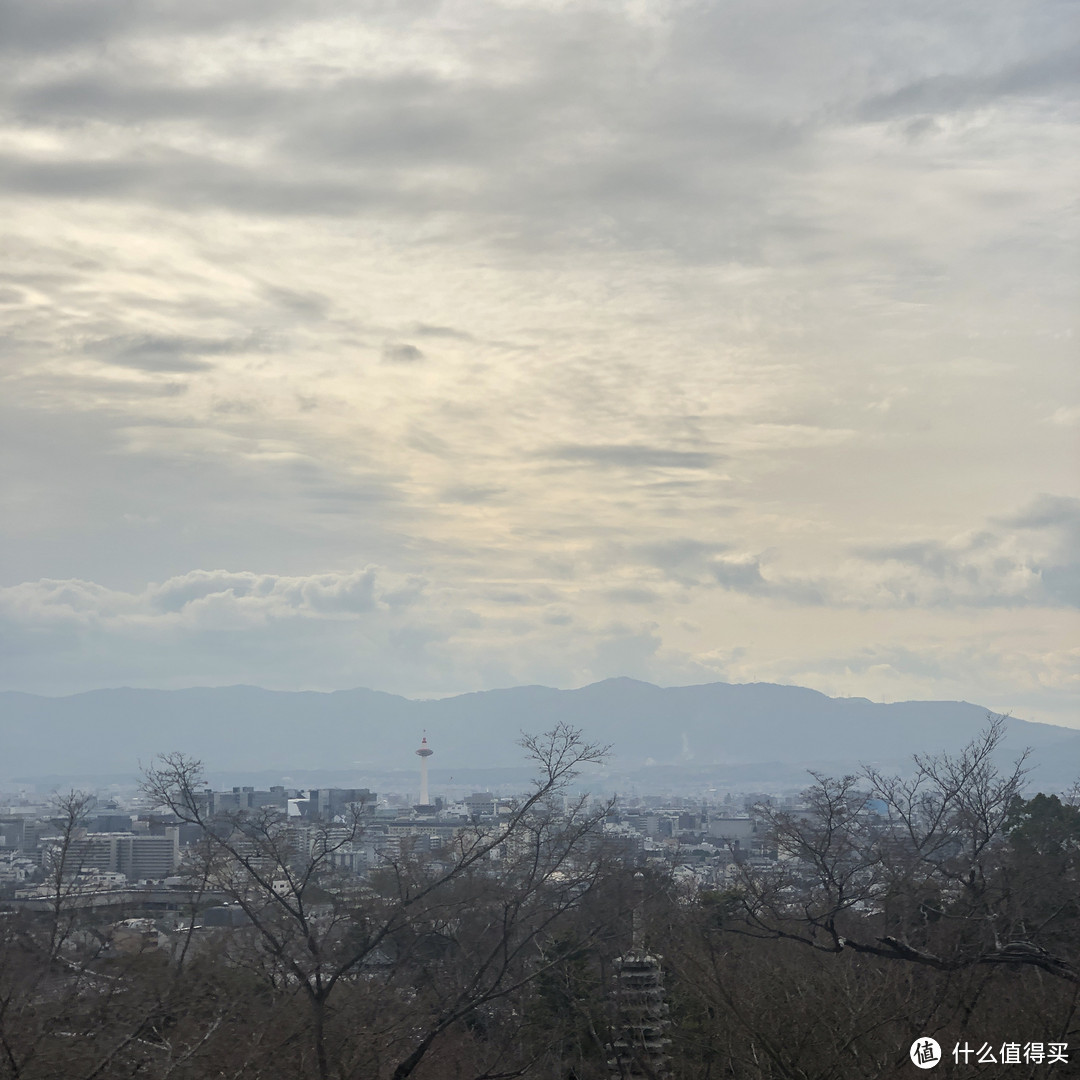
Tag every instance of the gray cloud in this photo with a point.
(743, 575)
(950, 93)
(423, 330)
(686, 561)
(118, 392)
(981, 569)
(336, 491)
(698, 566)
(417, 143)
(1061, 583)
(1048, 512)
(682, 552)
(630, 595)
(309, 305)
(929, 555)
(156, 352)
(412, 120)
(105, 96)
(401, 352)
(54, 25)
(610, 132)
(1059, 517)
(512, 597)
(348, 498)
(470, 494)
(187, 182)
(634, 456)
(988, 568)
(59, 24)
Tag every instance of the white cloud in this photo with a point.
(1066, 415)
(199, 598)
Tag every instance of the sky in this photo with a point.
(441, 346)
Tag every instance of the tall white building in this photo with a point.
(138, 856)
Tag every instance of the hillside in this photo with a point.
(672, 731)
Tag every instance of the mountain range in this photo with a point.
(757, 732)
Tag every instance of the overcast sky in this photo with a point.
(444, 346)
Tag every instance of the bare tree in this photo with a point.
(54, 989)
(63, 861)
(438, 940)
(904, 867)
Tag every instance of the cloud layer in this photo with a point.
(502, 342)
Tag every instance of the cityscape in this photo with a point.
(123, 844)
(539, 540)
(340, 895)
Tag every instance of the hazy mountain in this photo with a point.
(754, 730)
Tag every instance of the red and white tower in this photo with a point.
(424, 753)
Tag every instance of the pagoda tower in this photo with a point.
(641, 1008)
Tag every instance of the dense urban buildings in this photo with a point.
(544, 932)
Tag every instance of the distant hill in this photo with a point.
(756, 730)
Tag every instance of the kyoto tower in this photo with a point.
(424, 753)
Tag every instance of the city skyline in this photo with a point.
(437, 347)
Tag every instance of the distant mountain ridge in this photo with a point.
(687, 728)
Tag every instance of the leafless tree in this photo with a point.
(64, 863)
(443, 939)
(903, 867)
(51, 980)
